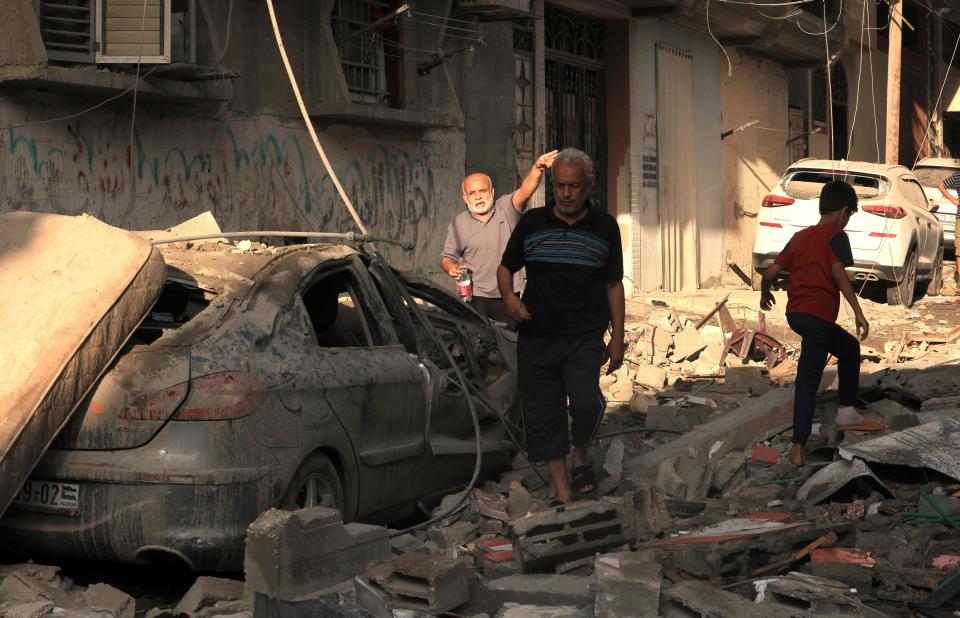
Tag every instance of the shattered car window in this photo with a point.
(178, 304)
(807, 184)
(334, 312)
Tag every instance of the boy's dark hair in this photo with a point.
(836, 195)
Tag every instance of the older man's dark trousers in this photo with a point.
(551, 373)
(818, 339)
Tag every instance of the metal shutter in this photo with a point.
(66, 27)
(119, 36)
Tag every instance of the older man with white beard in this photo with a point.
(477, 237)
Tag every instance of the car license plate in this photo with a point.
(49, 496)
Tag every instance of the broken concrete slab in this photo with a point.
(933, 445)
(17, 589)
(37, 609)
(842, 480)
(293, 554)
(676, 418)
(686, 344)
(324, 606)
(651, 376)
(206, 591)
(748, 379)
(512, 610)
(628, 585)
(539, 589)
(420, 582)
(710, 602)
(105, 596)
(758, 419)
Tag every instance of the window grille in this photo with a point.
(66, 27)
(361, 48)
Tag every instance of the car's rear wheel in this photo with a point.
(902, 293)
(317, 482)
(936, 276)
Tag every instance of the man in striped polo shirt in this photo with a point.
(574, 263)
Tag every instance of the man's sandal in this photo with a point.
(584, 477)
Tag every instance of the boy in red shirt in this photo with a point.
(815, 258)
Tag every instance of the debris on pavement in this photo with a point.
(698, 511)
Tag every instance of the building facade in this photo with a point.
(693, 109)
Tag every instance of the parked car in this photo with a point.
(896, 239)
(930, 172)
(283, 377)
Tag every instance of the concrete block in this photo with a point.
(676, 418)
(16, 589)
(323, 606)
(37, 609)
(106, 596)
(206, 591)
(651, 376)
(746, 379)
(687, 343)
(628, 585)
(421, 582)
(294, 554)
(758, 419)
(662, 339)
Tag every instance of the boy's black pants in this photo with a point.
(820, 338)
(551, 372)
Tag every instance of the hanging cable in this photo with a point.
(856, 106)
(309, 122)
(715, 40)
(133, 113)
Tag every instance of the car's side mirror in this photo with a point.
(933, 206)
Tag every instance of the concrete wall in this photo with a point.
(252, 173)
(250, 161)
(645, 222)
(752, 160)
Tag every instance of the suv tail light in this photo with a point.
(772, 201)
(221, 397)
(883, 210)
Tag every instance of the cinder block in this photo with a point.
(295, 554)
(421, 582)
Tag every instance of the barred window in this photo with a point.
(362, 48)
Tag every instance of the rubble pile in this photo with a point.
(698, 512)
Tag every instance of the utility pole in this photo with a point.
(894, 33)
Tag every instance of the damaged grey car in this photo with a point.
(311, 375)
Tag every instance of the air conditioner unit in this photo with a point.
(131, 31)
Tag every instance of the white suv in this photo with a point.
(895, 237)
(931, 172)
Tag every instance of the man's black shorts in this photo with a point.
(551, 373)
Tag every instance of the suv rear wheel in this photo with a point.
(902, 293)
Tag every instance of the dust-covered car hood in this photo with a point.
(73, 290)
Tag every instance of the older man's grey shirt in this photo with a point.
(481, 244)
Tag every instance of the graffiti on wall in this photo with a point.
(249, 176)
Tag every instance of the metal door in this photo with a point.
(574, 77)
(678, 174)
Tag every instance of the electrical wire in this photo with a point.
(442, 18)
(826, 30)
(309, 122)
(133, 113)
(856, 106)
(826, 44)
(715, 40)
(873, 95)
(762, 4)
(461, 378)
